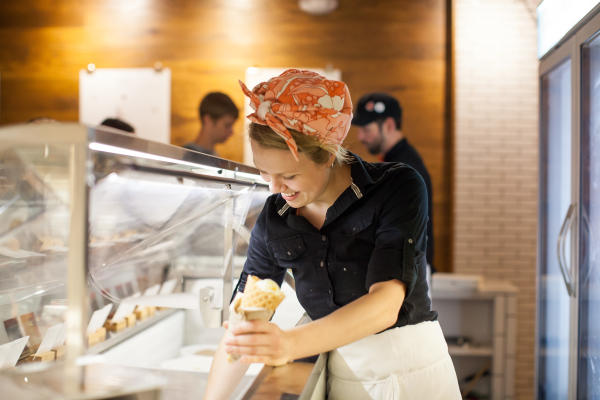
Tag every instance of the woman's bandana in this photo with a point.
(304, 101)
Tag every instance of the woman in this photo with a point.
(353, 234)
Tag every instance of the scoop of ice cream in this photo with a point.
(261, 293)
(268, 285)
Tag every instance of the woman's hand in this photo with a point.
(259, 342)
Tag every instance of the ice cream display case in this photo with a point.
(116, 249)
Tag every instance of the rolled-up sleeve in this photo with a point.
(400, 237)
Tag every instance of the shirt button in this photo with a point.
(329, 291)
(345, 269)
(322, 263)
(324, 238)
(410, 240)
(289, 253)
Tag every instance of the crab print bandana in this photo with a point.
(304, 101)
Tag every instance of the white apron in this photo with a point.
(411, 362)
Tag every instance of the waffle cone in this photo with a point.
(270, 301)
(255, 297)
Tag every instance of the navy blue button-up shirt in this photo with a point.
(374, 232)
(404, 152)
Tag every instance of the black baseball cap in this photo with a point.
(376, 106)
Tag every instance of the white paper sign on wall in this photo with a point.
(139, 96)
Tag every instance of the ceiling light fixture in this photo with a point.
(318, 7)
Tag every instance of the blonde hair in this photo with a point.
(309, 145)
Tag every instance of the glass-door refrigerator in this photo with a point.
(588, 367)
(568, 327)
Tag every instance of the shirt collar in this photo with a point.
(361, 180)
(360, 176)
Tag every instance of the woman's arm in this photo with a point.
(264, 342)
(224, 375)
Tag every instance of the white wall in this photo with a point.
(496, 155)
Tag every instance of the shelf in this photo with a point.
(468, 351)
(140, 326)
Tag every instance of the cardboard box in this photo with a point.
(116, 326)
(142, 313)
(46, 356)
(60, 351)
(130, 319)
(97, 337)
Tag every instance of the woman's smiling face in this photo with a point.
(299, 182)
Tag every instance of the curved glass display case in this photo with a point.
(104, 236)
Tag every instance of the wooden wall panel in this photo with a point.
(396, 46)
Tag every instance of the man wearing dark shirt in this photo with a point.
(378, 117)
(217, 114)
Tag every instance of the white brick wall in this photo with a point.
(496, 165)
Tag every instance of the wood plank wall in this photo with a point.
(396, 46)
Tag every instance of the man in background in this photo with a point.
(217, 114)
(378, 117)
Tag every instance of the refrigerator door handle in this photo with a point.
(569, 265)
(560, 250)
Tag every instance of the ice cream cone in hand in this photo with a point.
(258, 302)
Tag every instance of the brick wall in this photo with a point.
(495, 166)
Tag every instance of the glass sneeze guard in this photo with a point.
(90, 219)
